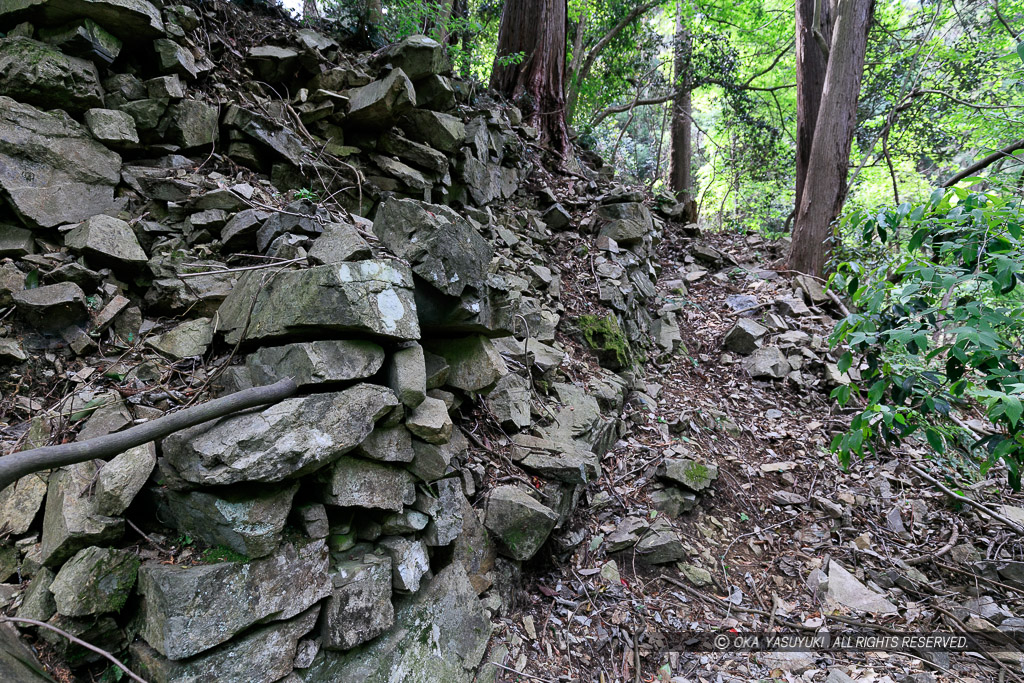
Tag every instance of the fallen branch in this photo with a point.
(1016, 528)
(17, 465)
(77, 641)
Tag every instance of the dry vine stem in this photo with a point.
(17, 465)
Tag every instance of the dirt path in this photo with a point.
(782, 541)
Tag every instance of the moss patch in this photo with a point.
(222, 554)
(604, 335)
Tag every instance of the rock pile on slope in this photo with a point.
(384, 237)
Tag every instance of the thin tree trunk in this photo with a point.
(825, 184)
(680, 164)
(442, 22)
(572, 84)
(535, 28)
(811, 64)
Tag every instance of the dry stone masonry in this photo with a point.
(157, 223)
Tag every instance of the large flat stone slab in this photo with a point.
(51, 171)
(188, 610)
(373, 297)
(130, 20)
(287, 440)
(440, 634)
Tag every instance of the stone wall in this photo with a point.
(152, 254)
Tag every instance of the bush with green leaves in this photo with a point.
(937, 329)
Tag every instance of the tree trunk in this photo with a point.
(443, 19)
(824, 187)
(681, 155)
(535, 28)
(811, 64)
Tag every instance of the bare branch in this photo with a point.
(984, 163)
(17, 465)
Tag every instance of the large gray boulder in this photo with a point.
(377, 104)
(409, 562)
(354, 482)
(20, 502)
(52, 307)
(70, 519)
(286, 440)
(519, 523)
(474, 364)
(107, 241)
(441, 131)
(418, 56)
(315, 362)
(387, 444)
(372, 297)
(768, 362)
(248, 522)
(690, 474)
(121, 478)
(440, 634)
(188, 610)
(359, 608)
(38, 74)
(95, 581)
(18, 663)
(442, 247)
(263, 655)
(51, 170)
(129, 20)
(744, 337)
(627, 223)
(444, 510)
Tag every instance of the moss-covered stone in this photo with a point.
(605, 336)
(95, 581)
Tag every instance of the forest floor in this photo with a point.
(781, 515)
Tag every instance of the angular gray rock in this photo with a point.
(444, 510)
(378, 104)
(417, 56)
(173, 58)
(744, 337)
(660, 546)
(267, 132)
(407, 375)
(430, 421)
(692, 475)
(672, 502)
(51, 170)
(112, 127)
(409, 562)
(442, 247)
(362, 483)
(95, 581)
(188, 610)
(767, 362)
(186, 340)
(263, 655)
(569, 462)
(287, 440)
(626, 223)
(15, 241)
(131, 20)
(38, 601)
(248, 522)
(315, 362)
(271, 63)
(18, 663)
(431, 461)
(70, 520)
(509, 401)
(107, 241)
(192, 124)
(440, 131)
(440, 634)
(387, 444)
(421, 156)
(473, 362)
(359, 608)
(361, 296)
(20, 503)
(844, 588)
(121, 479)
(339, 242)
(519, 523)
(38, 74)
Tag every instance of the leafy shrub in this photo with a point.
(938, 325)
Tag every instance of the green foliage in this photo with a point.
(222, 553)
(938, 326)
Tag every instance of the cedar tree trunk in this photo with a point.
(824, 187)
(680, 172)
(811, 63)
(535, 28)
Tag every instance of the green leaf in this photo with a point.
(1020, 51)
(845, 361)
(1012, 408)
(935, 439)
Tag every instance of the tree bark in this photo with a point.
(992, 158)
(680, 165)
(15, 466)
(535, 28)
(824, 188)
(811, 64)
